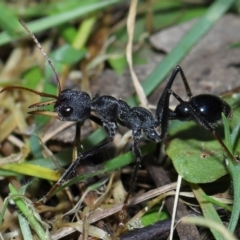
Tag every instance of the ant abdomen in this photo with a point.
(207, 106)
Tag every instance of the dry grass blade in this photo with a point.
(100, 214)
(130, 29)
(210, 224)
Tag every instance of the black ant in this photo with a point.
(76, 106)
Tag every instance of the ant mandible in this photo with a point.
(77, 106)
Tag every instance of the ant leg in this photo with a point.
(110, 127)
(77, 139)
(164, 99)
(163, 112)
(96, 119)
(137, 153)
(202, 122)
(175, 71)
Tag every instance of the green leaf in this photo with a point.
(67, 55)
(196, 154)
(153, 215)
(32, 78)
(198, 160)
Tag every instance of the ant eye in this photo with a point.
(66, 111)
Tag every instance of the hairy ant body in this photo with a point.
(77, 106)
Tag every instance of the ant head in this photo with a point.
(70, 105)
(73, 106)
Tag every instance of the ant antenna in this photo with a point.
(44, 54)
(29, 90)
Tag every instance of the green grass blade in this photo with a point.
(57, 19)
(215, 11)
(200, 221)
(3, 209)
(227, 134)
(217, 203)
(234, 171)
(25, 229)
(208, 209)
(8, 21)
(28, 213)
(112, 165)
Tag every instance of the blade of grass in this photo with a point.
(111, 165)
(234, 171)
(32, 170)
(130, 30)
(210, 224)
(42, 168)
(24, 225)
(227, 134)
(215, 11)
(8, 21)
(25, 228)
(79, 41)
(27, 212)
(84, 31)
(46, 8)
(57, 19)
(217, 203)
(208, 209)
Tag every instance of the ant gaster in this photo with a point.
(77, 106)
